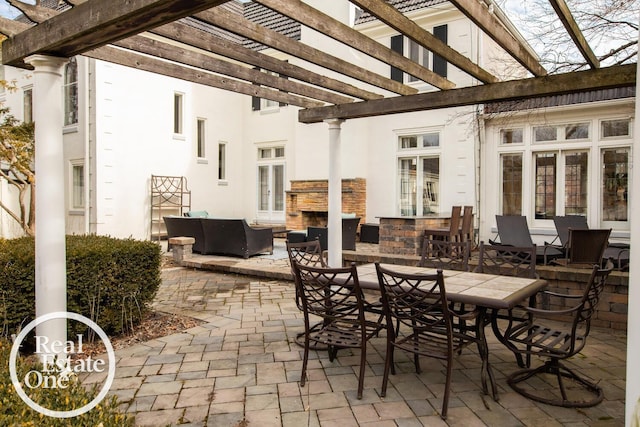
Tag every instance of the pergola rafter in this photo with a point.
(179, 48)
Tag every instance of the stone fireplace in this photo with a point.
(307, 202)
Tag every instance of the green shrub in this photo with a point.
(111, 281)
(14, 412)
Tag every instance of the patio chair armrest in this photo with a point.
(559, 295)
(539, 312)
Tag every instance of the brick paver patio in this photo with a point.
(241, 367)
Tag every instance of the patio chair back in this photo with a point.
(504, 260)
(452, 232)
(564, 223)
(587, 246)
(304, 253)
(445, 254)
(513, 230)
(466, 229)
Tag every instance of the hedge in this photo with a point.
(111, 281)
(15, 412)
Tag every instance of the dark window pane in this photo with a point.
(615, 185)
(512, 184)
(545, 197)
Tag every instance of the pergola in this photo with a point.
(165, 37)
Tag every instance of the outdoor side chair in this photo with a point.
(419, 303)
(334, 295)
(540, 334)
(450, 233)
(585, 248)
(618, 252)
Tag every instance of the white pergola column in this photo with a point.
(335, 194)
(48, 115)
(632, 398)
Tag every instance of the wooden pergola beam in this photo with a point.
(480, 15)
(10, 28)
(192, 58)
(396, 20)
(236, 24)
(570, 24)
(325, 24)
(600, 78)
(165, 68)
(96, 23)
(183, 33)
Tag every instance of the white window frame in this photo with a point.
(222, 162)
(27, 104)
(417, 154)
(71, 94)
(201, 139)
(615, 137)
(594, 146)
(178, 115)
(74, 190)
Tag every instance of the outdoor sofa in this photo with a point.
(221, 236)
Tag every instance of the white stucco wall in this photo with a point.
(134, 139)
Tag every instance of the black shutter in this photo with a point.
(439, 63)
(283, 104)
(397, 45)
(255, 101)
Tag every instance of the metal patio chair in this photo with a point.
(585, 248)
(334, 295)
(419, 303)
(539, 333)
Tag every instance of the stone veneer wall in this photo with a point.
(307, 202)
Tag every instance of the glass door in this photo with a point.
(271, 185)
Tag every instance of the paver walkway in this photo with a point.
(241, 367)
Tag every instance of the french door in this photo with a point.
(271, 186)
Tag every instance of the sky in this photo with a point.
(7, 11)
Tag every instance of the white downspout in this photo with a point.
(87, 150)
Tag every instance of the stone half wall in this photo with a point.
(307, 202)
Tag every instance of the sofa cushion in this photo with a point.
(197, 214)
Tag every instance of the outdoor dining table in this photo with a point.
(484, 291)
